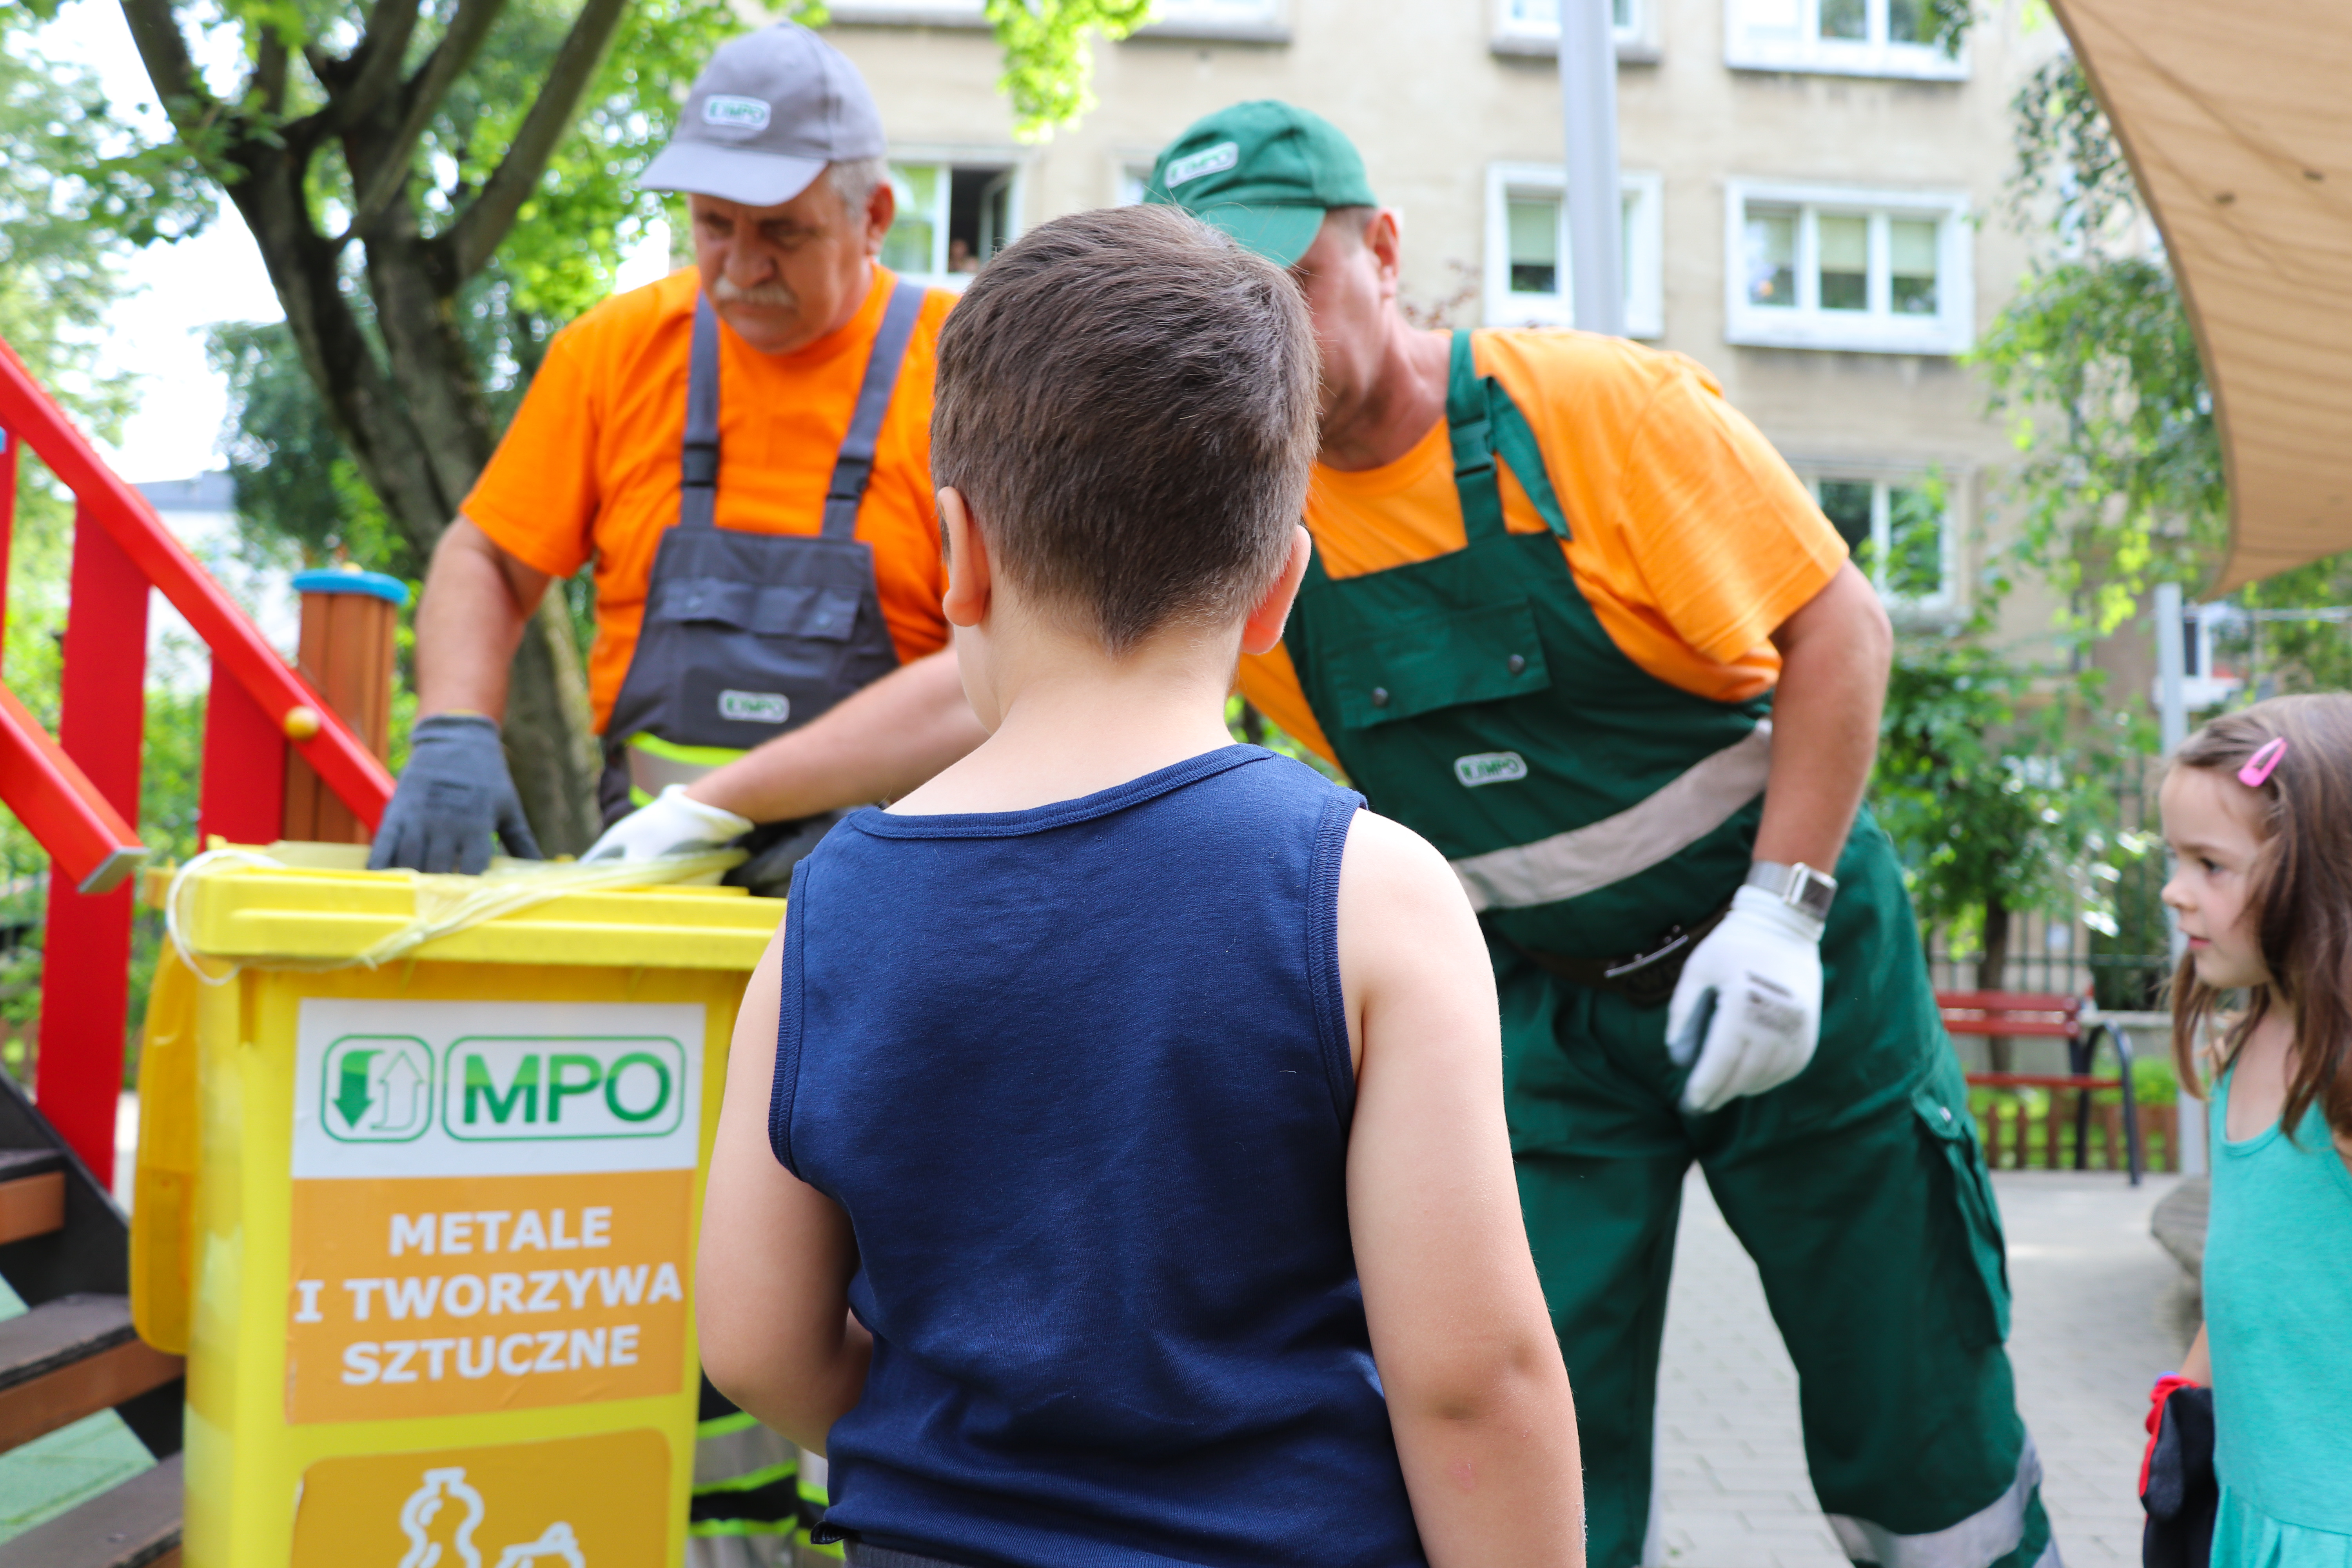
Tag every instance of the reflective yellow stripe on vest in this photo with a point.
(655, 765)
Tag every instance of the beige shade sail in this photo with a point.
(2238, 120)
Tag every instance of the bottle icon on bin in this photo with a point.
(555, 1548)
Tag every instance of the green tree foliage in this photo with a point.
(76, 194)
(1048, 48)
(296, 485)
(1999, 793)
(2301, 655)
(2093, 366)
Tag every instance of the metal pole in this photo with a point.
(1587, 91)
(2172, 718)
(2171, 668)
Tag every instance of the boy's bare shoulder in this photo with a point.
(1388, 864)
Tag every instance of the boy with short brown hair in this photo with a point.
(1113, 1168)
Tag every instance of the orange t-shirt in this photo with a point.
(1689, 536)
(590, 466)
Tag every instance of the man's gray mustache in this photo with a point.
(726, 291)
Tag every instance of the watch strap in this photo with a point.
(1799, 886)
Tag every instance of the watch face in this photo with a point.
(1811, 892)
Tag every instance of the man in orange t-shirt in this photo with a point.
(1571, 619)
(742, 449)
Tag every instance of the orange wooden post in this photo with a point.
(349, 619)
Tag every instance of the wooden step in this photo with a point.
(136, 1525)
(72, 1357)
(32, 1193)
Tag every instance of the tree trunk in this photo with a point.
(401, 389)
(1993, 970)
(551, 749)
(420, 435)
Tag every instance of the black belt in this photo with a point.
(1646, 978)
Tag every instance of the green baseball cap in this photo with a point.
(1266, 172)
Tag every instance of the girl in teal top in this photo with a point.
(2258, 810)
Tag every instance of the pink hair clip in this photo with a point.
(2259, 767)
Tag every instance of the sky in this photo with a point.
(179, 290)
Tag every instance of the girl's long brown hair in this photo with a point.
(2299, 896)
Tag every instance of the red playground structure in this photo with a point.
(77, 793)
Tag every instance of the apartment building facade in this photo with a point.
(1812, 199)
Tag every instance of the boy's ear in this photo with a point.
(1263, 630)
(965, 603)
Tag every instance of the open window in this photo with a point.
(952, 216)
(1526, 272)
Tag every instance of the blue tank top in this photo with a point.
(2278, 1314)
(1079, 1077)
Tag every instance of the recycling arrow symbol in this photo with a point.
(354, 1097)
(387, 1082)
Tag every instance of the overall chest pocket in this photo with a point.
(1420, 664)
(827, 613)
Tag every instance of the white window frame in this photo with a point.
(1883, 481)
(1750, 44)
(1129, 175)
(1519, 32)
(1950, 330)
(1238, 21)
(909, 14)
(1644, 250)
(1014, 162)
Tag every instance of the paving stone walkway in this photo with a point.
(2099, 1311)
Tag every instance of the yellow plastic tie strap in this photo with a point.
(440, 906)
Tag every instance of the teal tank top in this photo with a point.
(2278, 1316)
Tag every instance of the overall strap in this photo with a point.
(854, 466)
(1483, 421)
(1467, 424)
(698, 483)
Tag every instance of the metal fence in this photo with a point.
(2056, 952)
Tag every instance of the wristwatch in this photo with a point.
(1799, 886)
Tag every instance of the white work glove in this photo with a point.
(1749, 1005)
(669, 825)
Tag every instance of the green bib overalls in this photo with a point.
(1596, 815)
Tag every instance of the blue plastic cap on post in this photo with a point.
(340, 580)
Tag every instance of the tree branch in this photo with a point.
(164, 52)
(421, 97)
(270, 58)
(473, 238)
(373, 69)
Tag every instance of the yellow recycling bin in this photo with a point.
(431, 1240)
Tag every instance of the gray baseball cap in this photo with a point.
(766, 115)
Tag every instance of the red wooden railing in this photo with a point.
(79, 794)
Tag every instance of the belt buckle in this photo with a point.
(1646, 978)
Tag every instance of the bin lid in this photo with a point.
(313, 905)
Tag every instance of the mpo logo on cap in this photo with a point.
(736, 112)
(1207, 161)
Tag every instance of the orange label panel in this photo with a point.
(449, 1296)
(566, 1503)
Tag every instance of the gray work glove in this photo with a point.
(453, 795)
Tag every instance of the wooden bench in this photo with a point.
(2050, 1015)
